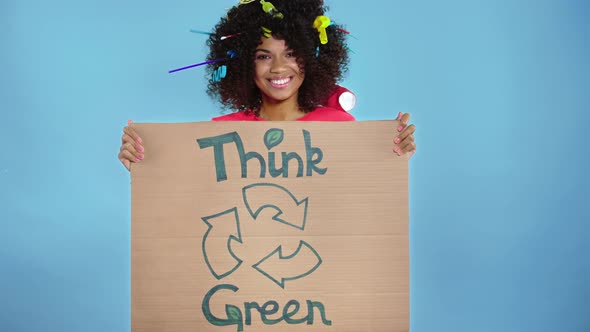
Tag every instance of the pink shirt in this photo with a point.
(318, 114)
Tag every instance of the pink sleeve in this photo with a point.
(319, 114)
(328, 114)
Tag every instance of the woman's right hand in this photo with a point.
(131, 147)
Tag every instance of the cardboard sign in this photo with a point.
(269, 226)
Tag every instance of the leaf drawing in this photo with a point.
(273, 137)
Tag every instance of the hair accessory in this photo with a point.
(245, 2)
(348, 49)
(201, 32)
(210, 33)
(339, 29)
(266, 32)
(342, 99)
(269, 8)
(317, 51)
(232, 54)
(321, 23)
(346, 32)
(219, 73)
(196, 65)
(229, 36)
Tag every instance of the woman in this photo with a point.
(276, 61)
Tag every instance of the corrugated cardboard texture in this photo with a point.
(202, 245)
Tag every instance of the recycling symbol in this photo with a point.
(273, 264)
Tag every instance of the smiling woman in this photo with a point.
(277, 61)
(275, 39)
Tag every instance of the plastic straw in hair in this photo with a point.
(196, 65)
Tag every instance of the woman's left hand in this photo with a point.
(404, 141)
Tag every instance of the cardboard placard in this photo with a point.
(270, 226)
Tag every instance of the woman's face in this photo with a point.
(277, 73)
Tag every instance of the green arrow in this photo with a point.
(260, 196)
(222, 226)
(274, 264)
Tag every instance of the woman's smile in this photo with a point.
(281, 82)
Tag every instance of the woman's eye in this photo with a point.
(262, 57)
(290, 54)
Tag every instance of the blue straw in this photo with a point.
(201, 32)
(195, 65)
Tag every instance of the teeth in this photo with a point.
(280, 82)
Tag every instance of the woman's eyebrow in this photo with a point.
(267, 51)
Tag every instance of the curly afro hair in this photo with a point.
(323, 64)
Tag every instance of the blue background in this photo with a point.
(499, 91)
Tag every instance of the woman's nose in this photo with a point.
(277, 65)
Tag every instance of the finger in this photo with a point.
(408, 140)
(128, 139)
(128, 155)
(407, 146)
(405, 119)
(405, 133)
(125, 163)
(403, 122)
(131, 132)
(129, 147)
(398, 149)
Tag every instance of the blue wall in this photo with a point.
(499, 91)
